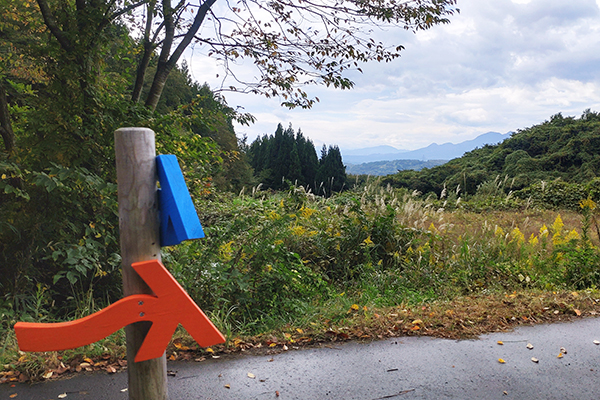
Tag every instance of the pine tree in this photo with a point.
(331, 175)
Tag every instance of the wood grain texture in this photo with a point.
(139, 237)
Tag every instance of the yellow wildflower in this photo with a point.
(587, 203)
(307, 212)
(517, 235)
(573, 235)
(544, 231)
(432, 228)
(558, 225)
(298, 230)
(278, 242)
(225, 251)
(368, 241)
(499, 231)
(533, 240)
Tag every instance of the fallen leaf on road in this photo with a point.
(535, 360)
(123, 390)
(12, 396)
(47, 375)
(276, 393)
(500, 342)
(251, 375)
(529, 346)
(596, 342)
(501, 361)
(227, 386)
(560, 355)
(563, 350)
(62, 395)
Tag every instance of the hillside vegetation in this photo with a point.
(563, 150)
(390, 167)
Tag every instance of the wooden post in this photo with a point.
(139, 235)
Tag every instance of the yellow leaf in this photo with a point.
(12, 396)
(529, 346)
(209, 350)
(299, 330)
(577, 312)
(179, 346)
(417, 322)
(501, 361)
(173, 357)
(227, 386)
(574, 294)
(415, 328)
(354, 307)
(535, 360)
(560, 355)
(273, 345)
(500, 342)
(4, 177)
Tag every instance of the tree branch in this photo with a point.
(53, 26)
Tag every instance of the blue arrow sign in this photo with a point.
(178, 218)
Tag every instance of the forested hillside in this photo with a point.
(60, 103)
(564, 148)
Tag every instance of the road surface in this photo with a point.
(398, 369)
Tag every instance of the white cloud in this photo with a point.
(500, 66)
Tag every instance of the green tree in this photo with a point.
(275, 37)
(331, 175)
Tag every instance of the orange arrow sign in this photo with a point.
(170, 306)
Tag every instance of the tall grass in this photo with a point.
(270, 258)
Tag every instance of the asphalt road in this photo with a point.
(397, 369)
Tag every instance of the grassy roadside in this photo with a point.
(286, 270)
(338, 321)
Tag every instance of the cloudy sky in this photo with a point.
(500, 65)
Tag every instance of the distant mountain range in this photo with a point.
(446, 151)
(385, 160)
